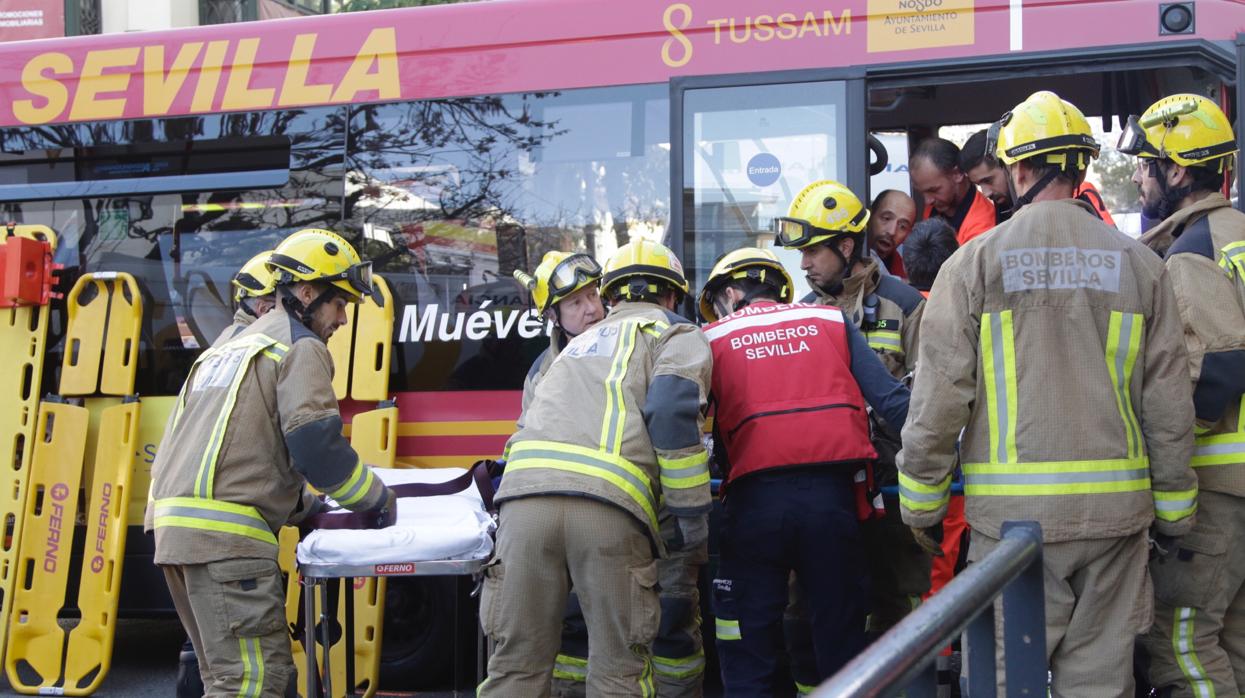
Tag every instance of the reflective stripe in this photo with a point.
(613, 469)
(683, 473)
(209, 515)
(885, 340)
(356, 487)
(727, 629)
(1123, 344)
(615, 402)
(1222, 449)
(1232, 259)
(919, 496)
(998, 357)
(1186, 655)
(681, 668)
(570, 668)
(1057, 477)
(253, 345)
(803, 689)
(1174, 506)
(252, 668)
(647, 688)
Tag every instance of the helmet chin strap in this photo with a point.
(1021, 201)
(304, 313)
(1169, 197)
(245, 305)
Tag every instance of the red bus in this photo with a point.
(455, 144)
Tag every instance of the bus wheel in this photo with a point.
(418, 641)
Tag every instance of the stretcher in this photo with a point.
(443, 535)
(362, 350)
(23, 334)
(105, 314)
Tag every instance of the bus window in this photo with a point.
(183, 246)
(450, 197)
(747, 152)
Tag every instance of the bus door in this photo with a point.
(744, 146)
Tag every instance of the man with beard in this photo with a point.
(890, 221)
(888, 312)
(935, 171)
(1186, 149)
(990, 177)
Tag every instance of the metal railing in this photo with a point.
(903, 658)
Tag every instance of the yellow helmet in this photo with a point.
(745, 263)
(559, 275)
(822, 211)
(254, 279)
(641, 258)
(1188, 129)
(1043, 125)
(318, 255)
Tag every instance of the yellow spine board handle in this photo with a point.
(34, 659)
(89, 654)
(339, 348)
(84, 339)
(23, 336)
(373, 344)
(125, 322)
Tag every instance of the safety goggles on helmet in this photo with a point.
(248, 282)
(992, 135)
(1133, 140)
(571, 272)
(358, 276)
(796, 232)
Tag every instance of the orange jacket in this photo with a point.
(1087, 193)
(971, 219)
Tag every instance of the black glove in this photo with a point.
(1162, 545)
(930, 539)
(387, 515)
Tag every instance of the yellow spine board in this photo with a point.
(84, 341)
(339, 348)
(89, 655)
(36, 641)
(23, 334)
(373, 342)
(125, 319)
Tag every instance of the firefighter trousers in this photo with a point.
(1197, 643)
(1098, 600)
(774, 523)
(234, 613)
(678, 650)
(544, 545)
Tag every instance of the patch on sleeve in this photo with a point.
(1054, 268)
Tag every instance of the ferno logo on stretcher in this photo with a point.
(99, 86)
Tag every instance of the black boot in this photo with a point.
(189, 682)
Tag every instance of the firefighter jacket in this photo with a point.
(790, 383)
(1054, 342)
(241, 321)
(974, 215)
(557, 341)
(1205, 250)
(618, 418)
(886, 309)
(255, 418)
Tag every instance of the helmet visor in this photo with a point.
(359, 276)
(1133, 140)
(248, 282)
(572, 272)
(793, 232)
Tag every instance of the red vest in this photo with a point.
(783, 389)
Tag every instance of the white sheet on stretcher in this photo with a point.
(445, 527)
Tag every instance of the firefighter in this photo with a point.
(256, 419)
(254, 294)
(790, 383)
(1054, 344)
(612, 431)
(888, 312)
(1186, 150)
(565, 291)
